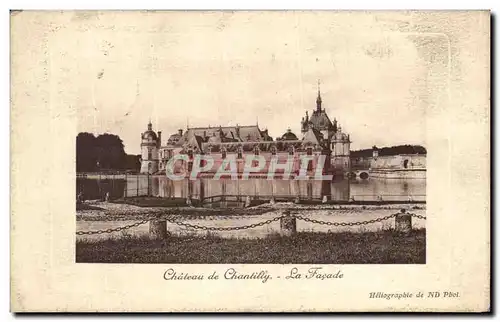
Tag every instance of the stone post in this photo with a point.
(297, 200)
(325, 199)
(158, 229)
(403, 222)
(288, 224)
(247, 202)
(272, 202)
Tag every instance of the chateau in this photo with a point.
(319, 136)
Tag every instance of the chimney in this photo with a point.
(159, 138)
(180, 132)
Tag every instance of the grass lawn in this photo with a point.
(380, 247)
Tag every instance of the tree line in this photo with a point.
(104, 152)
(393, 150)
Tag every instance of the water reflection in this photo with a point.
(160, 186)
(388, 188)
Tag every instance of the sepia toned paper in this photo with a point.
(392, 77)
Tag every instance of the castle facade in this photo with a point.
(319, 137)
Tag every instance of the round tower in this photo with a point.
(149, 150)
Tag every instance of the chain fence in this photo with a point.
(265, 222)
(112, 230)
(329, 223)
(174, 220)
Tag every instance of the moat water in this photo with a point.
(95, 187)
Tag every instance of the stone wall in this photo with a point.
(403, 161)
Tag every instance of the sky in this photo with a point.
(224, 68)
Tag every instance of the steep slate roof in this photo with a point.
(321, 121)
(230, 134)
(313, 136)
(265, 135)
(194, 142)
(173, 139)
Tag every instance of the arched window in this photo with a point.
(150, 154)
(224, 153)
(273, 150)
(256, 150)
(240, 152)
(290, 150)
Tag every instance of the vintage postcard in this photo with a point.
(250, 161)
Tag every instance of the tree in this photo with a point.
(104, 152)
(132, 162)
(111, 154)
(86, 153)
